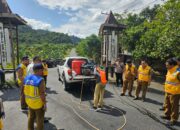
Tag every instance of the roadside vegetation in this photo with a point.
(90, 47)
(46, 44)
(153, 34)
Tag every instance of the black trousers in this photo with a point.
(45, 78)
(119, 77)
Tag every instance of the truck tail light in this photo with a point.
(69, 72)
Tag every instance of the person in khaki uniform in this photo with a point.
(2, 114)
(45, 71)
(144, 79)
(172, 92)
(34, 91)
(178, 63)
(129, 76)
(21, 71)
(101, 81)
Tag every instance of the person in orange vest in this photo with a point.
(34, 91)
(21, 71)
(172, 92)
(101, 81)
(144, 79)
(129, 75)
(45, 71)
(2, 114)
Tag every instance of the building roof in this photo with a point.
(111, 24)
(4, 7)
(7, 16)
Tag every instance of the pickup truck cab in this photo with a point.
(68, 75)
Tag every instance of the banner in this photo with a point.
(8, 46)
(2, 46)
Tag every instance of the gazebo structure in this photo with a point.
(109, 31)
(9, 22)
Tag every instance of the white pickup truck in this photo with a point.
(68, 76)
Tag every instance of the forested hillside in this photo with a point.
(28, 35)
(44, 43)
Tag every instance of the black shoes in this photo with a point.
(165, 117)
(136, 98)
(130, 95)
(24, 109)
(122, 94)
(162, 108)
(171, 123)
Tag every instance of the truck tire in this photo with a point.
(59, 75)
(65, 85)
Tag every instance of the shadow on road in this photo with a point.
(111, 110)
(149, 100)
(152, 90)
(50, 91)
(11, 94)
(87, 94)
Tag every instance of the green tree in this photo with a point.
(90, 47)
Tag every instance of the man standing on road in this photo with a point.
(178, 69)
(2, 114)
(119, 66)
(34, 91)
(101, 81)
(45, 71)
(144, 79)
(129, 76)
(36, 60)
(172, 92)
(21, 74)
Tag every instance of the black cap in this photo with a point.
(38, 67)
(25, 58)
(129, 61)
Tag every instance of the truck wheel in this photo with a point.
(65, 85)
(59, 75)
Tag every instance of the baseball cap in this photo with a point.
(25, 58)
(38, 66)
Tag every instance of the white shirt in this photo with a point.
(30, 69)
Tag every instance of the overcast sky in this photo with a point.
(75, 17)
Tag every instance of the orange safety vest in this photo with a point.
(172, 84)
(102, 75)
(144, 74)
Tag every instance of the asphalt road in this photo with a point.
(66, 112)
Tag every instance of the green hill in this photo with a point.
(30, 36)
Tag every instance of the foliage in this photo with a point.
(30, 36)
(45, 51)
(90, 47)
(154, 33)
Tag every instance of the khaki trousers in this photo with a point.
(38, 116)
(22, 96)
(99, 94)
(172, 106)
(128, 84)
(141, 85)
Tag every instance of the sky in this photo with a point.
(75, 17)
